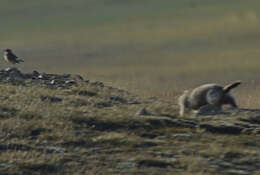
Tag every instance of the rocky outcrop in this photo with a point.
(15, 76)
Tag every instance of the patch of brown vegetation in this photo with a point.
(102, 133)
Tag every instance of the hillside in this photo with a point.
(148, 46)
(63, 124)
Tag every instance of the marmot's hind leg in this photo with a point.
(210, 110)
(228, 99)
(214, 96)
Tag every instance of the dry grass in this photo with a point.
(95, 129)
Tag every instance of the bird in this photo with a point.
(207, 96)
(10, 57)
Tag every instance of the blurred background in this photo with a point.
(149, 47)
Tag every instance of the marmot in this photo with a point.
(207, 95)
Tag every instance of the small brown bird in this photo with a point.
(11, 58)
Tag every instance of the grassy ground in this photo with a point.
(150, 47)
(102, 134)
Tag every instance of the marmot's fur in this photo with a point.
(211, 95)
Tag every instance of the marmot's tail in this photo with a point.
(227, 88)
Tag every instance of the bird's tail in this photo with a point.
(227, 88)
(19, 60)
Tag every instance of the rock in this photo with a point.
(6, 165)
(153, 163)
(35, 73)
(221, 129)
(7, 112)
(118, 99)
(252, 119)
(87, 93)
(9, 69)
(237, 172)
(181, 135)
(14, 76)
(67, 76)
(232, 155)
(133, 102)
(225, 164)
(247, 130)
(36, 132)
(97, 83)
(153, 122)
(71, 82)
(50, 99)
(13, 146)
(53, 149)
(149, 135)
(41, 76)
(96, 124)
(142, 111)
(52, 82)
(77, 77)
(103, 104)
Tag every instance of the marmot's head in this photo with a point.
(183, 102)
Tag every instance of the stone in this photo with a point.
(40, 76)
(53, 149)
(70, 82)
(78, 77)
(67, 75)
(35, 73)
(52, 82)
(50, 99)
(6, 165)
(181, 135)
(97, 83)
(238, 172)
(56, 81)
(13, 146)
(87, 93)
(142, 111)
(153, 163)
(118, 99)
(247, 130)
(221, 129)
